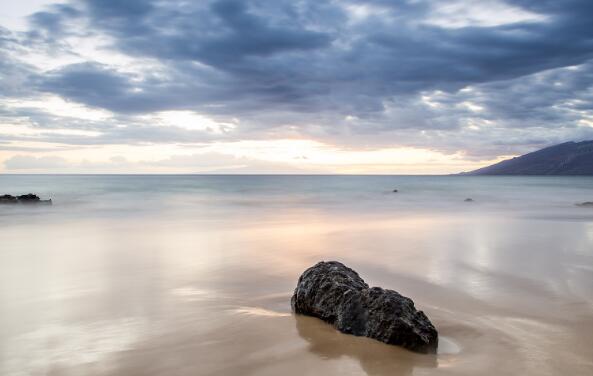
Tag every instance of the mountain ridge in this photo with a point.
(568, 158)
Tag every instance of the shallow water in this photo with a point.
(192, 275)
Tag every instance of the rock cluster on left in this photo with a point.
(29, 198)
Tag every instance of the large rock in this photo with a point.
(336, 294)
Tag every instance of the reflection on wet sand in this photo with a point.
(375, 358)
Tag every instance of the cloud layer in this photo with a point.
(486, 80)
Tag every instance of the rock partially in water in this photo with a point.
(395, 191)
(586, 204)
(336, 294)
(469, 200)
(29, 198)
(8, 199)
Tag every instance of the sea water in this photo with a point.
(192, 275)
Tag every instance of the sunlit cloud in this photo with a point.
(278, 156)
(488, 13)
(57, 106)
(190, 120)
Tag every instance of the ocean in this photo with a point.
(193, 274)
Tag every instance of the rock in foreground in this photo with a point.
(336, 294)
(29, 198)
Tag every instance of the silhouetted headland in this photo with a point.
(569, 158)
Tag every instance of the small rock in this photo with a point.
(469, 200)
(586, 204)
(8, 199)
(395, 191)
(29, 198)
(336, 294)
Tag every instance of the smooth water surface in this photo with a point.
(192, 275)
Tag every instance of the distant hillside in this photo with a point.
(570, 158)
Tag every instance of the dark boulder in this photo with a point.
(336, 294)
(469, 200)
(586, 204)
(395, 191)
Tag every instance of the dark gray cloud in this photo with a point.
(14, 75)
(322, 70)
(52, 20)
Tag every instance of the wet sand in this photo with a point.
(182, 299)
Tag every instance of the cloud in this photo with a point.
(14, 75)
(357, 74)
(25, 162)
(207, 162)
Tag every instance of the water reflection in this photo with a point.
(375, 358)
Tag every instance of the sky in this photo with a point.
(290, 86)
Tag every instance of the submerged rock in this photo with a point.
(29, 198)
(336, 294)
(586, 204)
